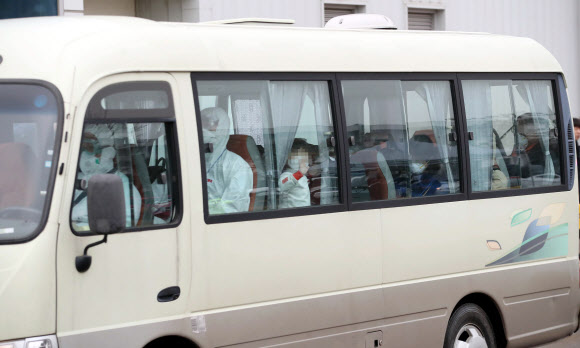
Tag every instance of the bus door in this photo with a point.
(128, 132)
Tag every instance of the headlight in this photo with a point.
(34, 342)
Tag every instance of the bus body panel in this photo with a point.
(28, 286)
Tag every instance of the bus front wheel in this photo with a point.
(469, 327)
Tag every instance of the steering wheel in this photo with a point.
(23, 213)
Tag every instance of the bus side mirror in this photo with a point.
(106, 204)
(106, 212)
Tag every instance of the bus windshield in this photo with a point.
(28, 127)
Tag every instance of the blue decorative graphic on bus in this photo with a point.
(542, 239)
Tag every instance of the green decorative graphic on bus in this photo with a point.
(521, 217)
(544, 237)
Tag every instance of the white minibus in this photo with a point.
(216, 185)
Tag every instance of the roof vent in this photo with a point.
(361, 21)
(253, 21)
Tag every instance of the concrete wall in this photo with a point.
(109, 7)
(554, 24)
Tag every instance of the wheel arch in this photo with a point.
(488, 304)
(171, 341)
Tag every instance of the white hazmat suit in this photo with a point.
(295, 191)
(229, 177)
(100, 161)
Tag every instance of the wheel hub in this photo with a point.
(469, 337)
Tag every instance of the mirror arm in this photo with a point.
(104, 240)
(83, 262)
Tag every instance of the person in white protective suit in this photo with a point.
(293, 182)
(97, 157)
(229, 177)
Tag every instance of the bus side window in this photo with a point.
(400, 143)
(515, 142)
(273, 148)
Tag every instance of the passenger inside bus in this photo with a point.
(426, 179)
(229, 177)
(98, 157)
(535, 155)
(293, 182)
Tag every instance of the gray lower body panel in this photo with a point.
(538, 304)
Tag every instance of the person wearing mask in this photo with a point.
(229, 177)
(293, 182)
(98, 157)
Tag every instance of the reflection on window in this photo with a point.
(268, 145)
(402, 139)
(136, 100)
(514, 142)
(28, 119)
(138, 154)
(28, 8)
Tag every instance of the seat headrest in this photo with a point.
(17, 170)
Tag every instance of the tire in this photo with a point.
(469, 327)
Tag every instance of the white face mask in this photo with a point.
(208, 136)
(91, 165)
(523, 141)
(295, 160)
(417, 168)
(294, 163)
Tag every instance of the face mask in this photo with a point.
(208, 136)
(107, 157)
(90, 164)
(294, 163)
(295, 160)
(417, 168)
(523, 141)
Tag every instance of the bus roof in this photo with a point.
(60, 49)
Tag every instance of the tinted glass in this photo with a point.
(28, 126)
(402, 139)
(27, 8)
(139, 154)
(513, 134)
(268, 145)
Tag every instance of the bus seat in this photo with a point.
(245, 147)
(18, 187)
(374, 171)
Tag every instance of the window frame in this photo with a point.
(58, 139)
(338, 134)
(125, 116)
(459, 125)
(556, 93)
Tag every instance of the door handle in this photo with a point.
(169, 294)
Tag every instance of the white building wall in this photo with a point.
(553, 23)
(307, 13)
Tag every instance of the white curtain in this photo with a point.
(318, 93)
(286, 99)
(536, 94)
(477, 96)
(438, 97)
